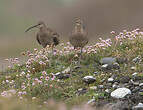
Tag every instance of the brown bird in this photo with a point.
(78, 37)
(46, 36)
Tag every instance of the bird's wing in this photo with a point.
(37, 37)
(56, 39)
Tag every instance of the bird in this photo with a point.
(45, 36)
(78, 37)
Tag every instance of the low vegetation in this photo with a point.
(37, 80)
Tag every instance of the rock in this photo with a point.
(120, 93)
(114, 86)
(134, 74)
(60, 75)
(77, 67)
(81, 91)
(136, 89)
(108, 60)
(124, 79)
(120, 105)
(137, 59)
(116, 65)
(122, 60)
(105, 66)
(138, 107)
(107, 91)
(110, 80)
(101, 86)
(92, 102)
(96, 72)
(67, 70)
(89, 79)
(141, 85)
(136, 83)
(93, 88)
(133, 68)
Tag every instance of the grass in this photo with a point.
(35, 80)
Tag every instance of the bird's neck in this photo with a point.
(78, 29)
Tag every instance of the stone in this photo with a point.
(141, 85)
(81, 91)
(119, 105)
(120, 93)
(104, 67)
(93, 88)
(137, 59)
(116, 65)
(60, 75)
(108, 60)
(134, 74)
(138, 107)
(124, 79)
(133, 68)
(110, 80)
(122, 60)
(89, 79)
(92, 101)
(107, 91)
(67, 70)
(101, 86)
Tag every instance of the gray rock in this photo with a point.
(92, 101)
(60, 75)
(137, 59)
(136, 89)
(89, 79)
(93, 88)
(116, 66)
(141, 85)
(133, 68)
(105, 66)
(120, 93)
(120, 105)
(110, 80)
(81, 91)
(124, 79)
(115, 86)
(138, 107)
(67, 70)
(122, 60)
(107, 91)
(134, 74)
(108, 60)
(101, 86)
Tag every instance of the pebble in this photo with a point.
(110, 80)
(108, 60)
(93, 88)
(134, 74)
(120, 93)
(138, 107)
(133, 68)
(89, 79)
(92, 101)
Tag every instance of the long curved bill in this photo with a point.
(32, 27)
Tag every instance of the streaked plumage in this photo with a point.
(78, 37)
(46, 36)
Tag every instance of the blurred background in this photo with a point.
(100, 18)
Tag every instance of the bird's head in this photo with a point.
(78, 21)
(38, 25)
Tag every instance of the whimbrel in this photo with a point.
(45, 36)
(78, 37)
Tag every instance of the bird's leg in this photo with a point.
(51, 54)
(80, 57)
(52, 46)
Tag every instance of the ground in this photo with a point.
(60, 76)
